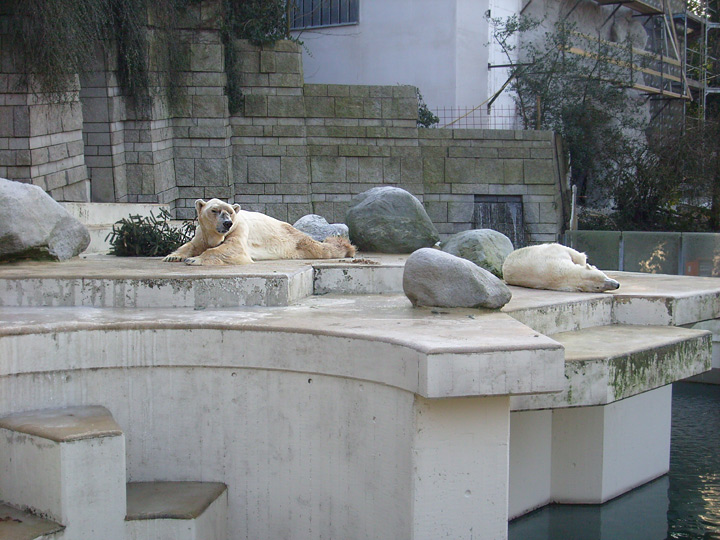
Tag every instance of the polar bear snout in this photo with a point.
(611, 285)
(223, 222)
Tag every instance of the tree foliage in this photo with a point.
(54, 41)
(576, 86)
(639, 177)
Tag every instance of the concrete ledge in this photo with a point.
(375, 338)
(664, 300)
(18, 525)
(170, 500)
(64, 425)
(122, 282)
(608, 363)
(367, 274)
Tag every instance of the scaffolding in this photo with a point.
(678, 66)
(682, 65)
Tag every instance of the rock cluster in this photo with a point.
(318, 228)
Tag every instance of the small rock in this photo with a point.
(389, 220)
(318, 228)
(485, 247)
(435, 278)
(34, 226)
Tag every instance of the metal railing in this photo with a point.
(478, 118)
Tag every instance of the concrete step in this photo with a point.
(604, 364)
(109, 213)
(176, 511)
(18, 525)
(100, 217)
(67, 465)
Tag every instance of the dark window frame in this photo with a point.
(308, 14)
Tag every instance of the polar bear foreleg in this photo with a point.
(229, 252)
(190, 249)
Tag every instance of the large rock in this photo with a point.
(389, 220)
(34, 226)
(435, 278)
(485, 247)
(318, 227)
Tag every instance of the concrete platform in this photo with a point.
(170, 500)
(331, 407)
(605, 364)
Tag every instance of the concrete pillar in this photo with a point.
(68, 465)
(530, 461)
(460, 468)
(601, 452)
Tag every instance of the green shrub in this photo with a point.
(139, 236)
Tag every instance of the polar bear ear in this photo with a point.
(199, 204)
(236, 207)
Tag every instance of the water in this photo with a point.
(683, 505)
(503, 214)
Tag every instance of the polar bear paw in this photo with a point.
(173, 258)
(194, 261)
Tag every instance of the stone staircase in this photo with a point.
(62, 475)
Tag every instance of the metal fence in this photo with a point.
(477, 118)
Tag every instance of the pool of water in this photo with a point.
(684, 504)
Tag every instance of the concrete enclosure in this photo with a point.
(314, 401)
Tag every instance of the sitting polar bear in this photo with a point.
(555, 267)
(227, 235)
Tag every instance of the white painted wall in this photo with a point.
(436, 45)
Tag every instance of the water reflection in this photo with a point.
(685, 504)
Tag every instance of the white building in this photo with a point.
(444, 47)
(440, 46)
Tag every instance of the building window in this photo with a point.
(317, 13)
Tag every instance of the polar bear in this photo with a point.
(555, 267)
(228, 235)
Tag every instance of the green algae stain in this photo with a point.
(657, 367)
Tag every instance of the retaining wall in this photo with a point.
(292, 149)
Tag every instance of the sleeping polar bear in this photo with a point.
(227, 235)
(555, 267)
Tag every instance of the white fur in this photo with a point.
(228, 235)
(555, 267)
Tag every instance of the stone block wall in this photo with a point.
(293, 149)
(103, 125)
(40, 138)
(301, 148)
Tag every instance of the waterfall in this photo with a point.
(503, 214)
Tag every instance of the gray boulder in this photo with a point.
(34, 226)
(435, 278)
(485, 247)
(389, 220)
(318, 228)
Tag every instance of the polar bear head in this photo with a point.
(215, 216)
(594, 280)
